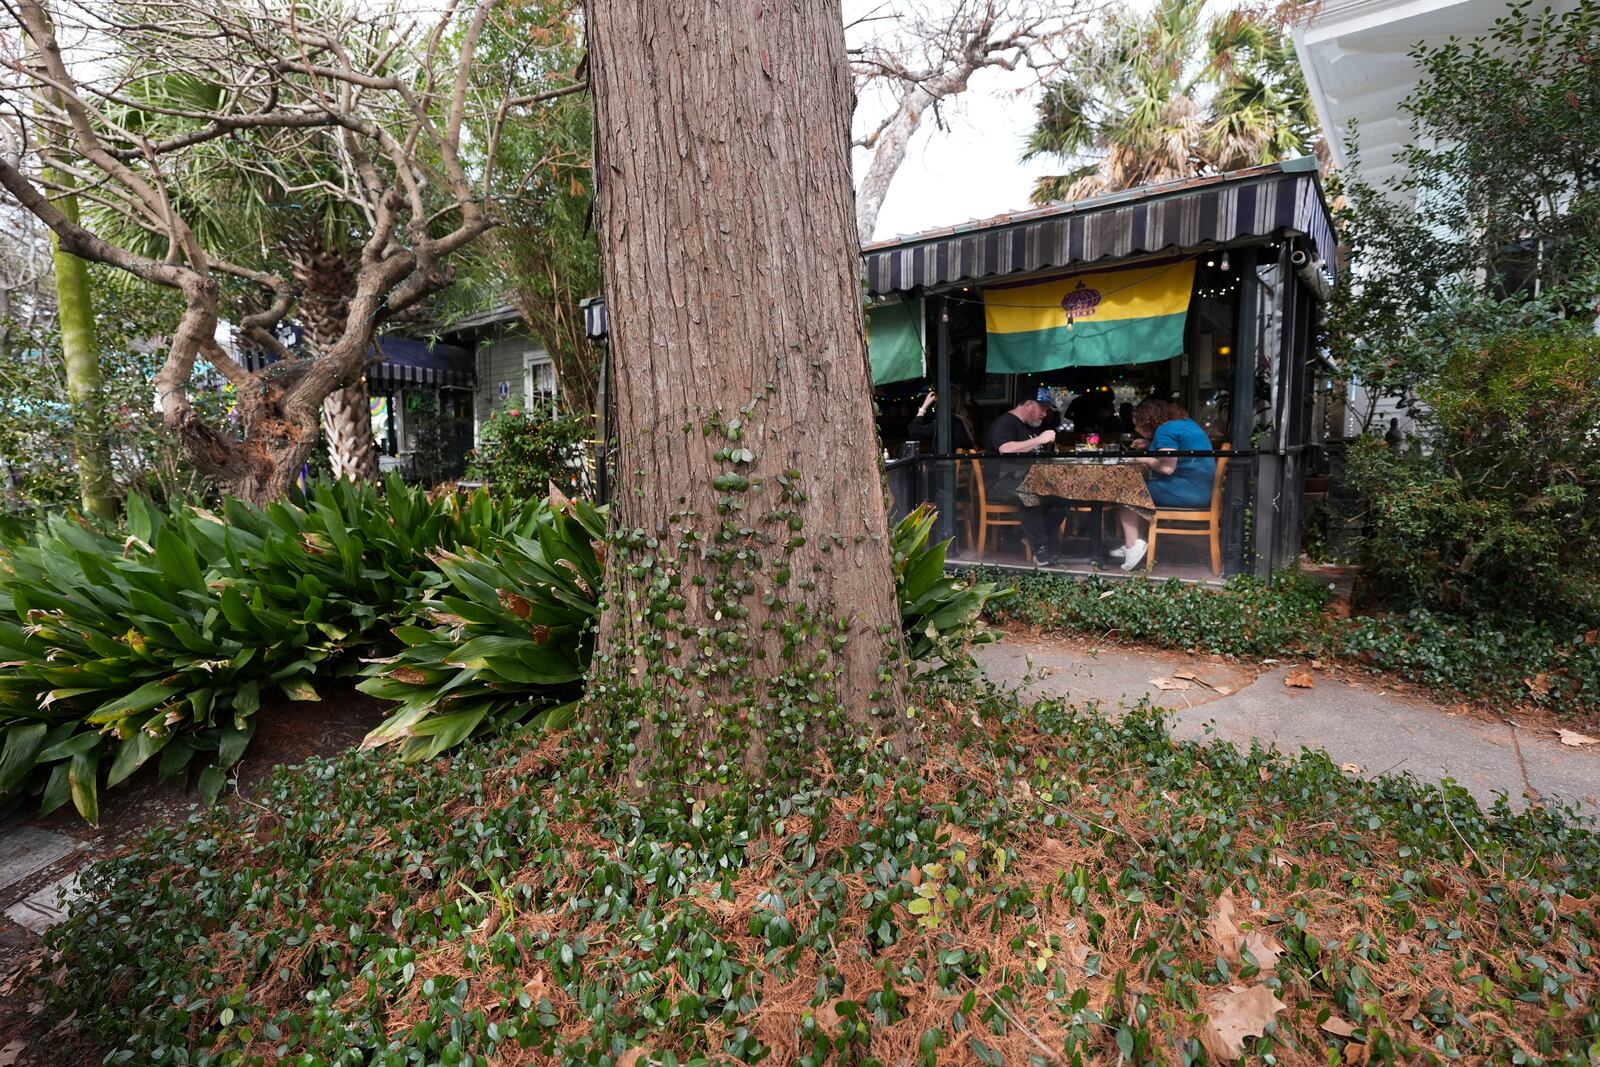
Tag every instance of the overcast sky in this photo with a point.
(970, 169)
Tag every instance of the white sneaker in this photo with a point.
(1135, 555)
(1120, 552)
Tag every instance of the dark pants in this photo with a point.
(1039, 521)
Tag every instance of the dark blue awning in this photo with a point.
(403, 361)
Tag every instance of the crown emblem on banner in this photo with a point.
(1081, 301)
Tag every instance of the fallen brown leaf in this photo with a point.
(1592, 637)
(1265, 949)
(1186, 675)
(1573, 739)
(1301, 679)
(828, 1016)
(1169, 684)
(1539, 684)
(1404, 947)
(1222, 690)
(631, 1057)
(1234, 1015)
(1223, 926)
(1350, 768)
(1338, 1027)
(11, 1052)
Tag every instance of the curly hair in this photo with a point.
(1151, 413)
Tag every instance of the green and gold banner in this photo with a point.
(1105, 318)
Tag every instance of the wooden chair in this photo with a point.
(1182, 522)
(966, 497)
(998, 515)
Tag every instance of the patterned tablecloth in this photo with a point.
(1095, 480)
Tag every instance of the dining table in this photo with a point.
(1097, 479)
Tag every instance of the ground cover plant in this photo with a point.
(1546, 660)
(1042, 886)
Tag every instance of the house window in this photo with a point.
(539, 380)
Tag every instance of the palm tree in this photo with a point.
(1172, 94)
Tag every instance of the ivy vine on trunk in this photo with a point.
(750, 618)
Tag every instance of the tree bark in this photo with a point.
(750, 614)
(347, 425)
(327, 281)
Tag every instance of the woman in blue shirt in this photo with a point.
(1174, 481)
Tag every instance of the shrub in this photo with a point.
(165, 642)
(511, 638)
(1044, 886)
(1246, 617)
(1503, 511)
(522, 451)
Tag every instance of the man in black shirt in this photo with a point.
(1017, 433)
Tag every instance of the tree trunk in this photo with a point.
(327, 280)
(81, 356)
(347, 425)
(750, 615)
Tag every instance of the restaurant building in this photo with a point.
(1205, 292)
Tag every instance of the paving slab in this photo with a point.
(1378, 730)
(25, 850)
(43, 909)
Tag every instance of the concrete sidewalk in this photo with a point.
(1353, 721)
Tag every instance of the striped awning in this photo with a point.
(405, 361)
(1281, 200)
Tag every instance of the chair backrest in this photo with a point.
(978, 485)
(1216, 480)
(964, 469)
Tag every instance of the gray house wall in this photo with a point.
(500, 360)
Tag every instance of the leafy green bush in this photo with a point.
(522, 451)
(165, 643)
(1246, 617)
(1504, 508)
(121, 652)
(511, 641)
(1045, 884)
(513, 638)
(942, 615)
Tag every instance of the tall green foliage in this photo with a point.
(544, 258)
(1503, 511)
(1495, 222)
(39, 419)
